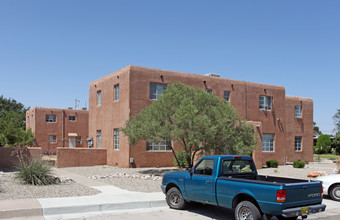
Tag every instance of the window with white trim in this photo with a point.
(51, 118)
(99, 139)
(227, 96)
(156, 90)
(267, 142)
(298, 143)
(265, 102)
(52, 139)
(99, 98)
(116, 93)
(162, 146)
(116, 139)
(298, 111)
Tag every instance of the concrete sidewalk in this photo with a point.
(110, 199)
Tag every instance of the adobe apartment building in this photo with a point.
(54, 127)
(284, 123)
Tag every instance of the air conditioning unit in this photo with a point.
(212, 74)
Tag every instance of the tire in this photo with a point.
(246, 210)
(175, 199)
(334, 192)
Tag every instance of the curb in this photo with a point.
(20, 208)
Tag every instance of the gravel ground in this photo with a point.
(132, 179)
(12, 189)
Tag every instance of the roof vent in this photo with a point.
(212, 74)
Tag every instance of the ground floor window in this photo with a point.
(298, 143)
(116, 139)
(267, 142)
(162, 146)
(99, 138)
(52, 139)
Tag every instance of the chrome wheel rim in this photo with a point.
(175, 199)
(244, 213)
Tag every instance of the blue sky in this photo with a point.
(51, 50)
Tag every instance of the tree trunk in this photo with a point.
(172, 149)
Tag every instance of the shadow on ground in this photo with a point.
(158, 172)
(7, 169)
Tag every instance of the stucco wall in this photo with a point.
(75, 157)
(9, 155)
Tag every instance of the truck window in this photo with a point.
(237, 166)
(205, 167)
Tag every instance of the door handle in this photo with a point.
(208, 181)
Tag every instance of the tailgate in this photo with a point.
(305, 193)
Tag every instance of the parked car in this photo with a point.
(232, 182)
(331, 184)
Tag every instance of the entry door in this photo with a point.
(72, 142)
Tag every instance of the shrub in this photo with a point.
(182, 159)
(35, 173)
(298, 164)
(272, 163)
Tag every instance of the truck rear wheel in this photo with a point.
(175, 199)
(246, 210)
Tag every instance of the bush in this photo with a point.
(182, 159)
(298, 164)
(272, 163)
(35, 173)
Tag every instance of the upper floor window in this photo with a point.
(116, 92)
(116, 139)
(298, 143)
(227, 96)
(265, 102)
(99, 98)
(156, 90)
(162, 146)
(72, 118)
(298, 111)
(209, 91)
(267, 142)
(99, 138)
(52, 139)
(51, 118)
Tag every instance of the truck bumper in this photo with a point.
(303, 211)
(163, 188)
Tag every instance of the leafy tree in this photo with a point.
(323, 143)
(12, 123)
(197, 121)
(336, 119)
(316, 130)
(336, 143)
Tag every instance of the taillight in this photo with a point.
(281, 196)
(321, 192)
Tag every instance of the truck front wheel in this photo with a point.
(246, 210)
(175, 199)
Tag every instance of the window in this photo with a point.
(209, 91)
(51, 118)
(116, 139)
(205, 167)
(298, 143)
(52, 139)
(266, 102)
(162, 146)
(99, 98)
(79, 140)
(267, 142)
(298, 111)
(116, 92)
(72, 118)
(227, 96)
(99, 139)
(237, 166)
(156, 90)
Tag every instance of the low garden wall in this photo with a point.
(75, 157)
(9, 155)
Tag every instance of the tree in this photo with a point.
(316, 130)
(336, 143)
(336, 119)
(197, 121)
(12, 123)
(323, 143)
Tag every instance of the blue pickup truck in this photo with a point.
(232, 182)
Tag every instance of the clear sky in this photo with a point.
(51, 50)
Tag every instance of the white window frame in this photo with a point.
(52, 139)
(116, 139)
(265, 102)
(268, 142)
(99, 138)
(227, 96)
(298, 111)
(51, 118)
(116, 93)
(156, 93)
(298, 143)
(99, 97)
(162, 146)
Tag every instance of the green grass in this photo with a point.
(326, 156)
